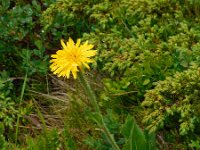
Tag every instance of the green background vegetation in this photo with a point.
(147, 67)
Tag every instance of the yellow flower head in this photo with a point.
(71, 58)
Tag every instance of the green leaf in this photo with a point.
(38, 43)
(135, 139)
(6, 4)
(96, 117)
(151, 141)
(36, 5)
(146, 81)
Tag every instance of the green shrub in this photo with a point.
(3, 143)
(67, 18)
(173, 105)
(147, 41)
(19, 30)
(8, 108)
(22, 50)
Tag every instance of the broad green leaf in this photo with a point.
(135, 139)
(151, 140)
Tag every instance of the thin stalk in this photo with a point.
(20, 101)
(89, 92)
(94, 103)
(110, 137)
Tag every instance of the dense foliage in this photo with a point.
(147, 65)
(173, 105)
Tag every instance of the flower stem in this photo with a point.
(95, 105)
(89, 92)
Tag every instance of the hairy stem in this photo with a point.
(93, 101)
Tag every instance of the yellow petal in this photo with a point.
(90, 53)
(86, 47)
(86, 65)
(78, 42)
(74, 72)
(70, 43)
(63, 44)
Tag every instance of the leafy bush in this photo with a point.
(173, 105)
(22, 52)
(147, 41)
(8, 108)
(18, 28)
(3, 143)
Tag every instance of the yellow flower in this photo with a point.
(72, 58)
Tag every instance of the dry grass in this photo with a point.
(65, 105)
